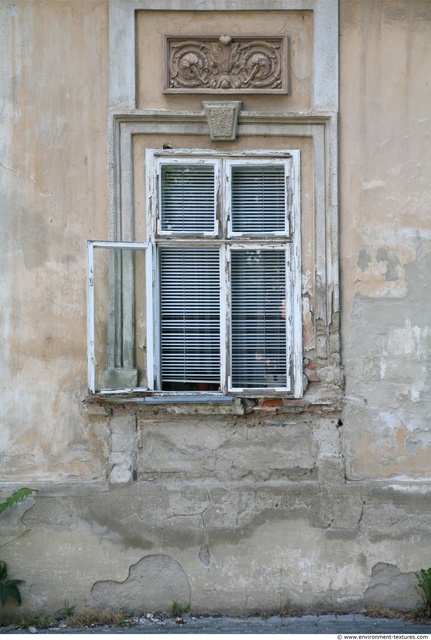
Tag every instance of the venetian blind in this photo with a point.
(258, 324)
(190, 314)
(258, 198)
(188, 198)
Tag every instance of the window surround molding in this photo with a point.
(122, 45)
(319, 124)
(321, 128)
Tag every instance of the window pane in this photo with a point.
(258, 285)
(258, 199)
(188, 198)
(120, 324)
(190, 318)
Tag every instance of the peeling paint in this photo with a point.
(153, 584)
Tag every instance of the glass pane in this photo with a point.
(188, 198)
(190, 318)
(120, 318)
(258, 199)
(258, 285)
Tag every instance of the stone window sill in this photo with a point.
(316, 399)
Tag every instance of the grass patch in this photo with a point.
(379, 612)
(97, 618)
(179, 609)
(24, 621)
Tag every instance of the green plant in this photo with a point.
(95, 617)
(382, 612)
(25, 620)
(424, 588)
(124, 621)
(17, 496)
(67, 611)
(9, 588)
(179, 609)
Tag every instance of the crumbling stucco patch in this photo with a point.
(388, 584)
(364, 259)
(204, 555)
(123, 446)
(153, 584)
(381, 270)
(54, 514)
(336, 509)
(221, 449)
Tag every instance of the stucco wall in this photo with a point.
(54, 179)
(385, 173)
(249, 507)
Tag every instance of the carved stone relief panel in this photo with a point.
(225, 64)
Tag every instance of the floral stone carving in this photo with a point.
(226, 64)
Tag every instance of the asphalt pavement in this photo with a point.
(340, 625)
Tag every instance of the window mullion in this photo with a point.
(225, 347)
(225, 310)
(156, 317)
(152, 316)
(227, 206)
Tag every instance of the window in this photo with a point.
(218, 292)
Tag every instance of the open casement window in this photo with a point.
(211, 304)
(118, 329)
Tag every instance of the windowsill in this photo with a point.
(316, 398)
(204, 404)
(122, 398)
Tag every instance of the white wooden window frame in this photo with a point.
(91, 311)
(226, 240)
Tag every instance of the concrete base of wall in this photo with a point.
(234, 548)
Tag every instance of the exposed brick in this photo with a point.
(268, 403)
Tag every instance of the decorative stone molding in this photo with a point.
(222, 118)
(321, 129)
(224, 64)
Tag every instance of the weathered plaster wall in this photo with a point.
(151, 26)
(53, 175)
(385, 172)
(241, 507)
(235, 547)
